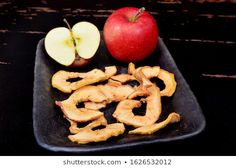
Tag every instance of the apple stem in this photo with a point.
(71, 33)
(135, 17)
(68, 25)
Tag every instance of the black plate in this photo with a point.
(51, 129)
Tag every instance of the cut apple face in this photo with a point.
(67, 46)
(59, 46)
(87, 39)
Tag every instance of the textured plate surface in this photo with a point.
(51, 129)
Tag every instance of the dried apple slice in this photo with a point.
(87, 93)
(151, 72)
(74, 129)
(124, 114)
(60, 79)
(169, 81)
(88, 135)
(150, 129)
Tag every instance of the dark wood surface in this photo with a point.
(200, 35)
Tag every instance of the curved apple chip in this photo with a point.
(88, 135)
(150, 129)
(78, 114)
(94, 76)
(60, 79)
(169, 81)
(74, 129)
(142, 79)
(124, 114)
(148, 71)
(87, 93)
(151, 72)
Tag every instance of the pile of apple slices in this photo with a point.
(74, 46)
(89, 96)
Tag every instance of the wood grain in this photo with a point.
(211, 20)
(219, 76)
(181, 22)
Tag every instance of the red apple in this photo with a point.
(130, 34)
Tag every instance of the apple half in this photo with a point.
(73, 46)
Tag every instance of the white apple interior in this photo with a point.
(59, 45)
(87, 38)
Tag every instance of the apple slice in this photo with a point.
(59, 45)
(87, 39)
(73, 46)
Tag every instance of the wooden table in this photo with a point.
(200, 35)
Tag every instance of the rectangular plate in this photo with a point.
(51, 129)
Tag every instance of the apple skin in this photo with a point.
(80, 62)
(130, 41)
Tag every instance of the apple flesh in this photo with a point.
(130, 34)
(73, 47)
